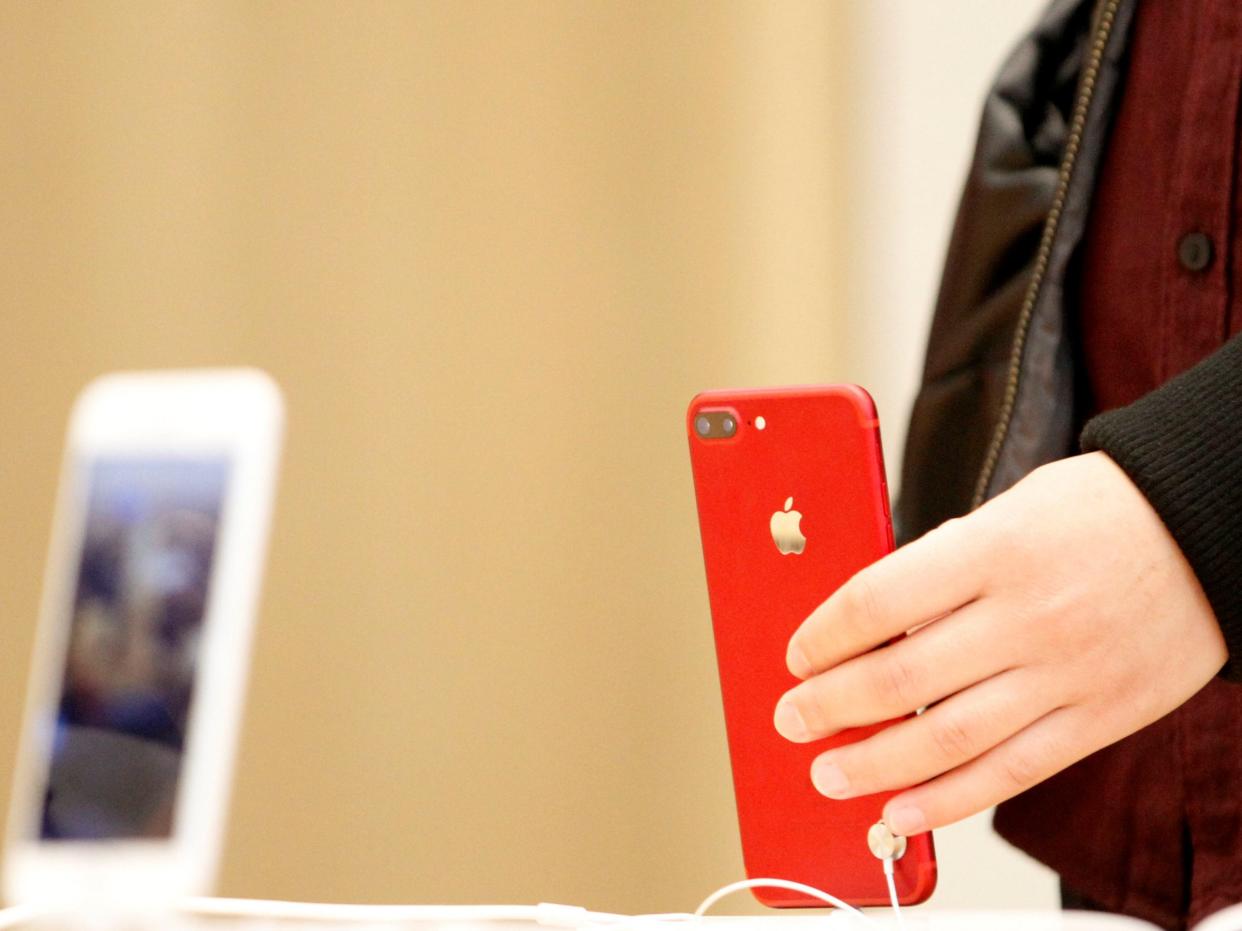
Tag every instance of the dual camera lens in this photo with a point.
(715, 425)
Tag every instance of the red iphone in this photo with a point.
(792, 502)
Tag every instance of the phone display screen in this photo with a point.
(137, 607)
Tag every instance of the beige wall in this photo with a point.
(490, 250)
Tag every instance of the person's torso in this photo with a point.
(1152, 825)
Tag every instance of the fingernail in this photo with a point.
(795, 659)
(829, 780)
(906, 820)
(788, 720)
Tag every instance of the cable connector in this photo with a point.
(884, 844)
(888, 848)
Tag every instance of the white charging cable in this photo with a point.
(814, 893)
(886, 846)
(892, 893)
(546, 914)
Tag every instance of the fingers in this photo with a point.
(1042, 749)
(941, 739)
(934, 575)
(943, 658)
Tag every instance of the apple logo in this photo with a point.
(787, 530)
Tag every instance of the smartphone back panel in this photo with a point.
(770, 561)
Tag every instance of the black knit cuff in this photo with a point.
(1182, 446)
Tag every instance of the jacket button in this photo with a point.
(1194, 251)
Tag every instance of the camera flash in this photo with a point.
(760, 423)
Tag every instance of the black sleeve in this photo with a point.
(1182, 446)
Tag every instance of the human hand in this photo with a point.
(1056, 619)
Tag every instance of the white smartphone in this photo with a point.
(120, 792)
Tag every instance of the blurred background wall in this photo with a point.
(490, 250)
